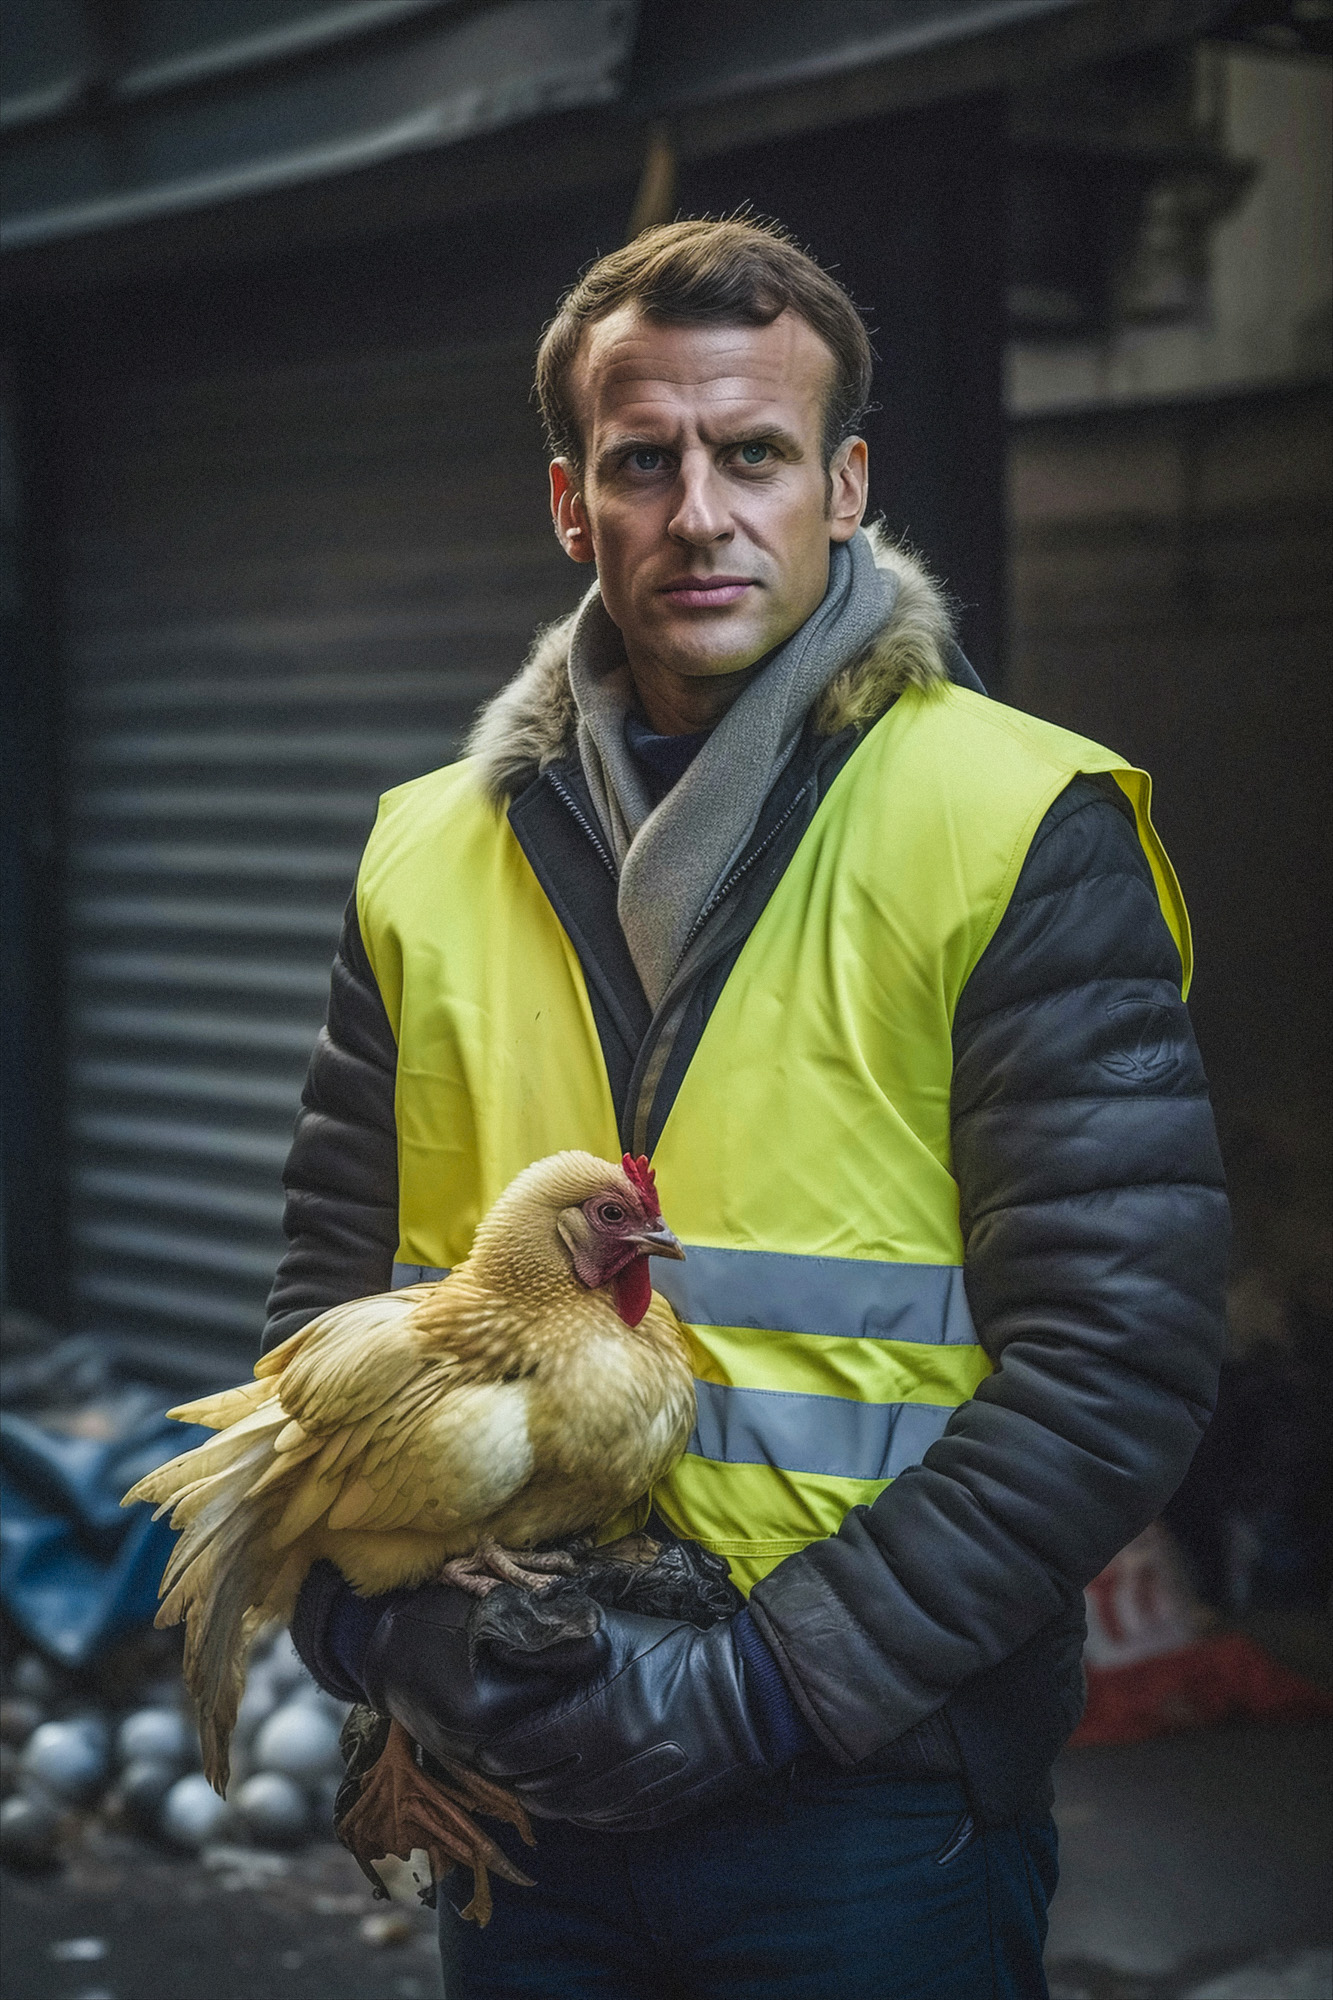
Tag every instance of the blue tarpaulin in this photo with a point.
(76, 1569)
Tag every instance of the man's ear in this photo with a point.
(569, 514)
(848, 488)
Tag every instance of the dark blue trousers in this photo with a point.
(819, 1887)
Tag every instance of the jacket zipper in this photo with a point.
(667, 1018)
(742, 868)
(581, 820)
(671, 1009)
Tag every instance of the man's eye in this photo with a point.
(754, 454)
(646, 460)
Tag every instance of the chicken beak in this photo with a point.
(660, 1242)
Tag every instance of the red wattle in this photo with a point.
(633, 1288)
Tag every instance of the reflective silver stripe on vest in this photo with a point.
(851, 1296)
(797, 1433)
(418, 1274)
(781, 1293)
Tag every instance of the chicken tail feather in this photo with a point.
(227, 1407)
(214, 1597)
(219, 1579)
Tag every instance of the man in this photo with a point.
(746, 871)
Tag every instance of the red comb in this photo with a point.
(645, 1180)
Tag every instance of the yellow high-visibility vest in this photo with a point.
(805, 1163)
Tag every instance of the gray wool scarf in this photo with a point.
(672, 856)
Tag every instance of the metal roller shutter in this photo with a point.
(280, 605)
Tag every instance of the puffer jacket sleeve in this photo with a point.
(1095, 1226)
(341, 1177)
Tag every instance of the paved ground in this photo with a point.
(175, 1930)
(1195, 1868)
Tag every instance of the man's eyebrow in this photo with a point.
(619, 447)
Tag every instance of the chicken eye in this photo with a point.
(611, 1211)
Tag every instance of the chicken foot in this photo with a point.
(491, 1564)
(400, 1807)
(638, 1548)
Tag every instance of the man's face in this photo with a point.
(704, 500)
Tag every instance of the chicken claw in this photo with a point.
(490, 1564)
(639, 1549)
(399, 1808)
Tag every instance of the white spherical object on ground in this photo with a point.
(274, 1808)
(161, 1734)
(258, 1702)
(93, 1723)
(68, 1758)
(193, 1815)
(140, 1791)
(29, 1833)
(299, 1741)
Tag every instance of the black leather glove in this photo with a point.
(638, 1724)
(668, 1724)
(419, 1665)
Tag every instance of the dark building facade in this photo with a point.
(280, 522)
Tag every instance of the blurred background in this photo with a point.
(274, 522)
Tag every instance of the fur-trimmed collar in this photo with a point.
(531, 722)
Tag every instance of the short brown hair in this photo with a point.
(736, 272)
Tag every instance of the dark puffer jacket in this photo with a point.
(943, 1625)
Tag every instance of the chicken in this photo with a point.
(438, 1432)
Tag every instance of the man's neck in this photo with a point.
(683, 704)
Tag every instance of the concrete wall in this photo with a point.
(1171, 597)
(1268, 316)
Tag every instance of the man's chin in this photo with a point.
(693, 657)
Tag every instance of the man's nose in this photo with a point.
(701, 516)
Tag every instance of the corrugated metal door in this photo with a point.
(289, 587)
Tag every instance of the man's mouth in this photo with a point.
(706, 593)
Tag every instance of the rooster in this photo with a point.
(441, 1432)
